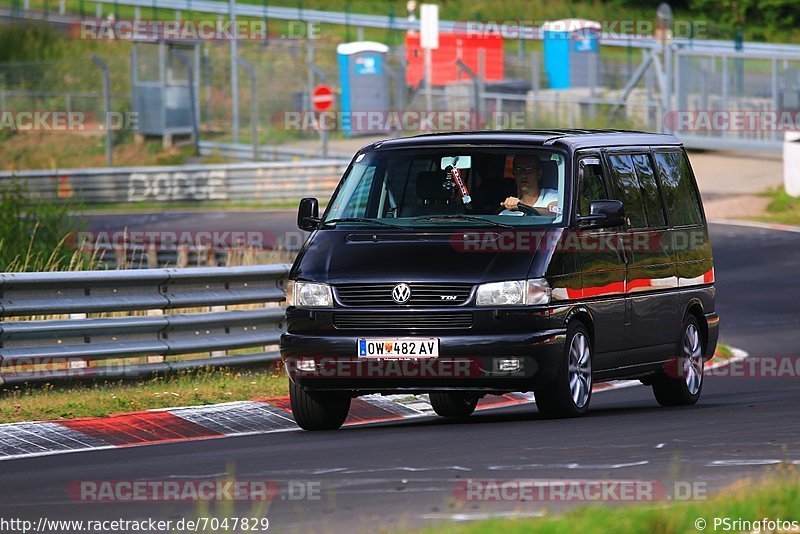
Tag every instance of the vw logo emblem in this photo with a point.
(401, 293)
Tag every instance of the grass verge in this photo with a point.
(774, 497)
(208, 386)
(782, 207)
(724, 352)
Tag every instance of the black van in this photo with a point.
(466, 264)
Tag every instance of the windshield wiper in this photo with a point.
(469, 218)
(364, 220)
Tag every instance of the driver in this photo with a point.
(527, 173)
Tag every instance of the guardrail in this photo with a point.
(265, 152)
(162, 321)
(243, 182)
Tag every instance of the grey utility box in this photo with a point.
(161, 92)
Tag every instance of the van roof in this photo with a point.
(569, 138)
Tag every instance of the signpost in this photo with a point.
(429, 40)
(322, 100)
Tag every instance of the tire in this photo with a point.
(318, 410)
(571, 392)
(453, 404)
(684, 389)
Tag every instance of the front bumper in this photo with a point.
(466, 362)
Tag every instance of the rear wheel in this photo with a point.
(453, 404)
(318, 410)
(685, 388)
(571, 392)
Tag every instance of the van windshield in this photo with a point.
(462, 185)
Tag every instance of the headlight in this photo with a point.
(514, 293)
(308, 294)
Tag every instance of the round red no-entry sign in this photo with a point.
(322, 98)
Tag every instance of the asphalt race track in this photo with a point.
(402, 474)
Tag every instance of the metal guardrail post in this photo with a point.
(234, 74)
(251, 76)
(667, 88)
(192, 99)
(107, 101)
(476, 90)
(480, 88)
(641, 70)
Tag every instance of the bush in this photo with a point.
(27, 41)
(37, 234)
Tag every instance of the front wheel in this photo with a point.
(685, 388)
(571, 392)
(318, 410)
(453, 404)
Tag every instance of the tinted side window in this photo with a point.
(592, 186)
(652, 200)
(629, 190)
(680, 196)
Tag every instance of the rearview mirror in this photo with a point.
(604, 214)
(308, 214)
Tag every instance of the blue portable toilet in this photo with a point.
(364, 82)
(570, 48)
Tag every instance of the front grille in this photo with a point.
(422, 294)
(402, 321)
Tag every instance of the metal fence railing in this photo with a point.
(249, 94)
(68, 325)
(239, 151)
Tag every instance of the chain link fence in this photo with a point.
(243, 99)
(69, 84)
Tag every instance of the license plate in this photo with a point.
(398, 347)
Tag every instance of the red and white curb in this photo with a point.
(42, 438)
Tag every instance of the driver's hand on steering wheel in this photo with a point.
(511, 203)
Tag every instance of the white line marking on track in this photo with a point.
(480, 516)
(743, 462)
(565, 466)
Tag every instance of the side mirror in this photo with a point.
(308, 214)
(604, 214)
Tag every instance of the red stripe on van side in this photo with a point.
(608, 289)
(639, 282)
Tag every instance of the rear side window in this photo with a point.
(651, 198)
(680, 195)
(629, 190)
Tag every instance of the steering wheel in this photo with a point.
(523, 208)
